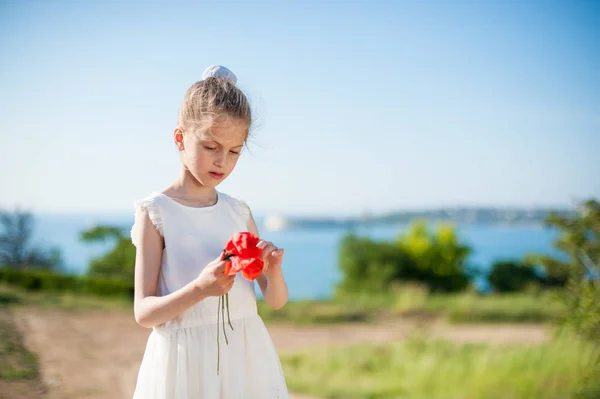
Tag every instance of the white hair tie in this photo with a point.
(219, 71)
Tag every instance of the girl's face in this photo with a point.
(211, 155)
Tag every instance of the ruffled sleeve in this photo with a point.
(149, 204)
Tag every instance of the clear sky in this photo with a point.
(361, 106)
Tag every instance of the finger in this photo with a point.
(277, 252)
(220, 265)
(226, 278)
(226, 281)
(267, 250)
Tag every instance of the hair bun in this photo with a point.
(219, 71)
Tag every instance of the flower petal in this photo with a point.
(243, 244)
(252, 269)
(234, 266)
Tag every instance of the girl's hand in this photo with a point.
(272, 257)
(212, 280)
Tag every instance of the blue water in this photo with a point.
(310, 262)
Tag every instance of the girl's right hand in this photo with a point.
(212, 280)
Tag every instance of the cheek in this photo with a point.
(195, 157)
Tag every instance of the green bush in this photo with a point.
(512, 276)
(371, 266)
(436, 260)
(34, 280)
(439, 257)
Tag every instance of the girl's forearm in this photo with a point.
(276, 291)
(152, 311)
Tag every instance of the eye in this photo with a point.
(209, 148)
(234, 152)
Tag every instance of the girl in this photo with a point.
(179, 236)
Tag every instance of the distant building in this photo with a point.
(275, 223)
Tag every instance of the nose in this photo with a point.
(221, 159)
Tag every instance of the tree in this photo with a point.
(512, 276)
(440, 258)
(370, 266)
(16, 248)
(435, 259)
(579, 240)
(119, 262)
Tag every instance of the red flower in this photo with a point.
(246, 255)
(246, 258)
(244, 245)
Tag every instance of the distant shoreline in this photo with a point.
(463, 216)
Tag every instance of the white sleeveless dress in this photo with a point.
(180, 360)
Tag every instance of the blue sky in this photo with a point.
(360, 106)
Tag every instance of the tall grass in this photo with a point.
(419, 369)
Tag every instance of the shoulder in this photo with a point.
(150, 206)
(238, 205)
(149, 201)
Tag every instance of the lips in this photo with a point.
(217, 175)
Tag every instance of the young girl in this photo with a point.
(179, 236)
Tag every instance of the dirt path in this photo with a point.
(97, 355)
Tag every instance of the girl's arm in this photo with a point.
(151, 310)
(271, 283)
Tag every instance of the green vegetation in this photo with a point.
(46, 281)
(402, 301)
(119, 262)
(17, 362)
(513, 276)
(422, 369)
(413, 301)
(11, 296)
(435, 259)
(580, 242)
(19, 369)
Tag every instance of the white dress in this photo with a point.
(180, 360)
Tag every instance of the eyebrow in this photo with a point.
(216, 142)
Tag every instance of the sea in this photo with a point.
(310, 263)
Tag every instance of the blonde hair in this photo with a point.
(210, 99)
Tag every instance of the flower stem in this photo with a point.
(223, 318)
(227, 304)
(218, 333)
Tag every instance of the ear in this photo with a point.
(178, 138)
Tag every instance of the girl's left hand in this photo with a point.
(272, 257)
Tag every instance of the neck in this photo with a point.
(188, 188)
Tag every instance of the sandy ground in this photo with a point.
(97, 355)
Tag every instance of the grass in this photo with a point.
(19, 369)
(13, 296)
(17, 362)
(404, 301)
(421, 369)
(411, 301)
(510, 308)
